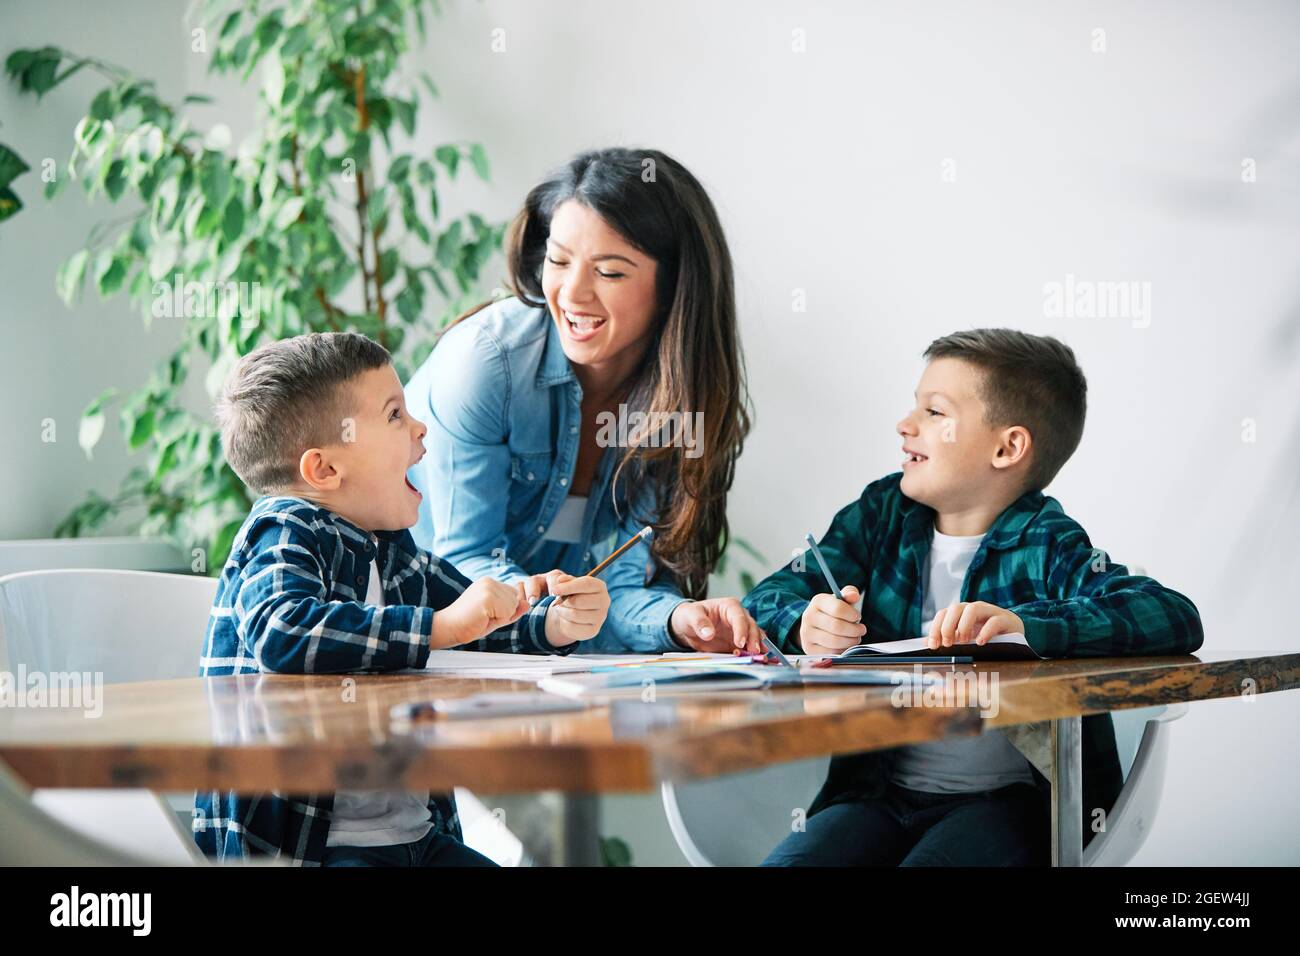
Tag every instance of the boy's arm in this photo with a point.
(525, 636)
(778, 601)
(286, 621)
(1098, 609)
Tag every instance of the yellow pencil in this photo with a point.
(642, 535)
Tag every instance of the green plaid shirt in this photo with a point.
(1035, 561)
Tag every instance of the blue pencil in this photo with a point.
(830, 578)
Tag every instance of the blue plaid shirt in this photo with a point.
(1035, 561)
(291, 601)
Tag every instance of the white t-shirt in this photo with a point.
(377, 817)
(567, 526)
(968, 764)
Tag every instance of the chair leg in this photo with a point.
(1067, 791)
(581, 815)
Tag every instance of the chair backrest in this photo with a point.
(1130, 725)
(126, 625)
(1130, 820)
(33, 838)
(126, 554)
(735, 820)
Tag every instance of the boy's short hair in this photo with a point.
(287, 396)
(1029, 380)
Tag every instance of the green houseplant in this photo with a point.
(11, 167)
(319, 222)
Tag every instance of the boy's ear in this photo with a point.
(1013, 447)
(319, 471)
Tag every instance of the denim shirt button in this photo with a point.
(541, 529)
(564, 482)
(573, 429)
(531, 476)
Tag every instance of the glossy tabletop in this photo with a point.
(315, 733)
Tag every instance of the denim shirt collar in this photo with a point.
(554, 368)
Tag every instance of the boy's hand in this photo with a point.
(830, 625)
(579, 610)
(972, 622)
(485, 605)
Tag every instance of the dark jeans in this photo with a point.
(435, 849)
(1003, 827)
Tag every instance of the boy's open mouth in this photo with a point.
(415, 490)
(913, 458)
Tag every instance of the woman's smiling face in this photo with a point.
(600, 290)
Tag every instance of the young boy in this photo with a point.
(324, 578)
(959, 547)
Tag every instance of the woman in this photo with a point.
(543, 451)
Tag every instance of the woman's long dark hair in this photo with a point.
(694, 362)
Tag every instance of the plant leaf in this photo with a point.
(289, 212)
(478, 159)
(9, 203)
(449, 156)
(11, 165)
(71, 273)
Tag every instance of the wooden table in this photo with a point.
(321, 733)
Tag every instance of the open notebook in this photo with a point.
(1004, 647)
(667, 679)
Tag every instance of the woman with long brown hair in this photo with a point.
(605, 395)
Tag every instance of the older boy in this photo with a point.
(960, 547)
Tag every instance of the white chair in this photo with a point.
(127, 554)
(35, 838)
(737, 819)
(129, 626)
(483, 831)
(1130, 819)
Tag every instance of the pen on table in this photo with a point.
(776, 652)
(874, 659)
(642, 535)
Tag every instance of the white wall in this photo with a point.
(1123, 165)
(826, 167)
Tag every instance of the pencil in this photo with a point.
(830, 578)
(642, 535)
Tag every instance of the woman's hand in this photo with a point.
(579, 609)
(715, 626)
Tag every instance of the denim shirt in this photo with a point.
(503, 408)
